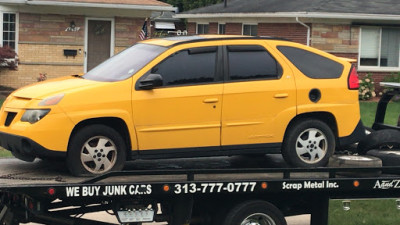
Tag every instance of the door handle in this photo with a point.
(210, 100)
(282, 95)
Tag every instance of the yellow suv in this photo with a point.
(189, 97)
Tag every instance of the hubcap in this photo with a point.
(311, 146)
(258, 219)
(98, 154)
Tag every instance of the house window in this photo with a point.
(9, 29)
(250, 30)
(379, 47)
(221, 28)
(202, 28)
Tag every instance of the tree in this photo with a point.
(185, 5)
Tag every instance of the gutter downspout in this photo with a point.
(308, 30)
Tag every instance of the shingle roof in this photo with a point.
(388, 7)
(124, 2)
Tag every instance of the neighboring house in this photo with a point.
(366, 30)
(64, 37)
(164, 24)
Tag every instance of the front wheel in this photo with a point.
(255, 213)
(94, 150)
(308, 143)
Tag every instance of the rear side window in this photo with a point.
(312, 65)
(250, 62)
(189, 66)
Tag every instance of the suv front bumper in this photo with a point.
(26, 149)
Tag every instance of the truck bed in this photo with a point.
(14, 172)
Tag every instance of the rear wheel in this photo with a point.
(96, 149)
(308, 143)
(254, 213)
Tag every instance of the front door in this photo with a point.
(184, 114)
(98, 42)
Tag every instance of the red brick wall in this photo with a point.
(191, 28)
(213, 28)
(292, 31)
(233, 28)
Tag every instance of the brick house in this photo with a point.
(366, 30)
(64, 37)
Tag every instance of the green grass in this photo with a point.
(366, 212)
(4, 153)
(368, 113)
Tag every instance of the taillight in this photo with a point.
(353, 82)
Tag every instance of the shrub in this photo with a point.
(367, 89)
(8, 58)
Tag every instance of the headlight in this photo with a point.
(34, 115)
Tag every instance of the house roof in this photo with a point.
(120, 4)
(124, 2)
(294, 8)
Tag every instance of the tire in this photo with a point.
(254, 212)
(381, 139)
(308, 143)
(388, 157)
(94, 150)
(355, 161)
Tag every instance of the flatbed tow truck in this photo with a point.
(240, 190)
(185, 196)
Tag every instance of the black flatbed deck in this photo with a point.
(14, 172)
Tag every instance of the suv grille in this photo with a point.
(10, 117)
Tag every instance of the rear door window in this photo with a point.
(312, 65)
(251, 62)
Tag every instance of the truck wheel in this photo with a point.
(308, 143)
(381, 139)
(255, 213)
(94, 150)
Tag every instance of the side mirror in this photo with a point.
(151, 81)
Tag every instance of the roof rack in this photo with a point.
(197, 38)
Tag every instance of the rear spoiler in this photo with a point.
(348, 59)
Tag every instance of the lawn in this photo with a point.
(368, 113)
(366, 212)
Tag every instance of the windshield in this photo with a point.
(125, 64)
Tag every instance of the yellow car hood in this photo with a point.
(52, 87)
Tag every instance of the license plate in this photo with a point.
(133, 216)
